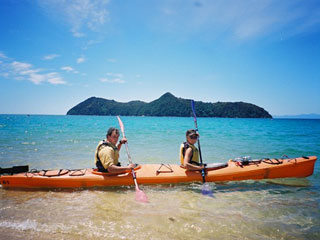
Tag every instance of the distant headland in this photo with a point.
(168, 105)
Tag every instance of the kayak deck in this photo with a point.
(162, 174)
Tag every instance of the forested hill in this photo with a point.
(168, 105)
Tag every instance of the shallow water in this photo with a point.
(277, 209)
(246, 210)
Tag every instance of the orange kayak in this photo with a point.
(163, 174)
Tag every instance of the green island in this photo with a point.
(168, 105)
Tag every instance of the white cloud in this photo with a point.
(55, 78)
(69, 69)
(26, 71)
(80, 15)
(241, 19)
(4, 74)
(118, 75)
(113, 78)
(51, 56)
(36, 78)
(111, 60)
(2, 55)
(81, 60)
(20, 66)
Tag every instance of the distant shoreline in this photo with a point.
(300, 116)
(284, 117)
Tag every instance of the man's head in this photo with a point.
(113, 135)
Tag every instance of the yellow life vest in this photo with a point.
(194, 156)
(103, 144)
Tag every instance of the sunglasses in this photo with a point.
(193, 136)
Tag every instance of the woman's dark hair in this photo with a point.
(191, 132)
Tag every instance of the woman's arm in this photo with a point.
(187, 159)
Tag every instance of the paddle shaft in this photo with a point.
(202, 171)
(198, 141)
(127, 150)
(132, 170)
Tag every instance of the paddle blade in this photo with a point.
(141, 196)
(206, 190)
(121, 125)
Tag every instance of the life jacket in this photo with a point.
(98, 161)
(194, 155)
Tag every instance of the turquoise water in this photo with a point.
(287, 209)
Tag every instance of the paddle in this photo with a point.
(206, 189)
(140, 195)
(15, 169)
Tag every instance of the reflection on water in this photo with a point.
(245, 210)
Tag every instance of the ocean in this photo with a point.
(267, 209)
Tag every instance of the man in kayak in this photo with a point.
(189, 153)
(107, 153)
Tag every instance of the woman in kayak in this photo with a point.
(107, 153)
(189, 153)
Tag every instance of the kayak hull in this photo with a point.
(162, 174)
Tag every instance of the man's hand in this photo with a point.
(123, 140)
(131, 165)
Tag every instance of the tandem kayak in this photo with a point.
(162, 174)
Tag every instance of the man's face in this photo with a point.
(113, 138)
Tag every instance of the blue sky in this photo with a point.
(55, 54)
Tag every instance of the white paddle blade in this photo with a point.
(141, 196)
(121, 126)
